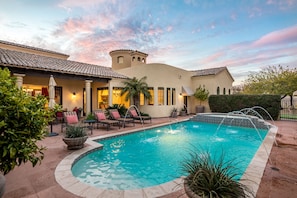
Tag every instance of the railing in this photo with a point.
(288, 112)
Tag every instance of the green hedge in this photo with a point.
(229, 103)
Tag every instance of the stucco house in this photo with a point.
(92, 86)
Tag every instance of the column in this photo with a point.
(88, 96)
(19, 80)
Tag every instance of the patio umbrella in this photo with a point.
(51, 102)
(51, 87)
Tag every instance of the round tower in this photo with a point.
(124, 58)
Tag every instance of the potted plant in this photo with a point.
(173, 113)
(183, 111)
(201, 94)
(75, 137)
(23, 122)
(212, 177)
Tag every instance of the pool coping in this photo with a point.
(63, 174)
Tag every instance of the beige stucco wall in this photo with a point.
(68, 87)
(33, 51)
(211, 82)
(160, 75)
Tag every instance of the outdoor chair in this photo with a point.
(101, 119)
(115, 115)
(71, 118)
(133, 113)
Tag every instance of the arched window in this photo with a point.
(120, 59)
(143, 60)
(218, 90)
(139, 59)
(133, 59)
(229, 91)
(224, 91)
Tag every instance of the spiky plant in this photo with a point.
(75, 131)
(209, 177)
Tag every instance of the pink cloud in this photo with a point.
(288, 35)
(212, 58)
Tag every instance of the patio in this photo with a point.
(39, 182)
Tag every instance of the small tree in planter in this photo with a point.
(201, 94)
(23, 122)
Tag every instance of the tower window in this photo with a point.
(120, 59)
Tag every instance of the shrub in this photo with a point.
(23, 123)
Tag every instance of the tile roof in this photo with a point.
(37, 62)
(206, 72)
(30, 47)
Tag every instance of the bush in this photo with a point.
(23, 123)
(229, 103)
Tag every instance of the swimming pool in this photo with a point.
(154, 156)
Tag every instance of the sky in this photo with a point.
(243, 35)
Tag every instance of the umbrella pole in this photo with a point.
(52, 133)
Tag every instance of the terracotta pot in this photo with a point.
(199, 109)
(2, 184)
(75, 143)
(188, 191)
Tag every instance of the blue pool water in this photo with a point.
(154, 156)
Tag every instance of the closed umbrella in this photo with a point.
(51, 87)
(51, 103)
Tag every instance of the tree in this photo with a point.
(23, 122)
(133, 88)
(201, 94)
(272, 80)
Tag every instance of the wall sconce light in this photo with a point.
(73, 95)
(180, 94)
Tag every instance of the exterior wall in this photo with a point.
(68, 87)
(130, 58)
(211, 82)
(160, 75)
(32, 51)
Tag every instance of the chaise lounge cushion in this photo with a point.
(72, 119)
(100, 116)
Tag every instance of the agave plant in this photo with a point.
(75, 132)
(214, 177)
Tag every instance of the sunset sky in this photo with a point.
(244, 35)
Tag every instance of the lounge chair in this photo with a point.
(101, 119)
(71, 118)
(133, 113)
(115, 115)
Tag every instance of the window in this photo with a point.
(151, 101)
(58, 95)
(118, 99)
(168, 96)
(141, 99)
(229, 91)
(224, 91)
(102, 94)
(160, 96)
(173, 96)
(120, 59)
(133, 59)
(218, 90)
(139, 59)
(143, 60)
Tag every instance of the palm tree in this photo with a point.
(133, 88)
